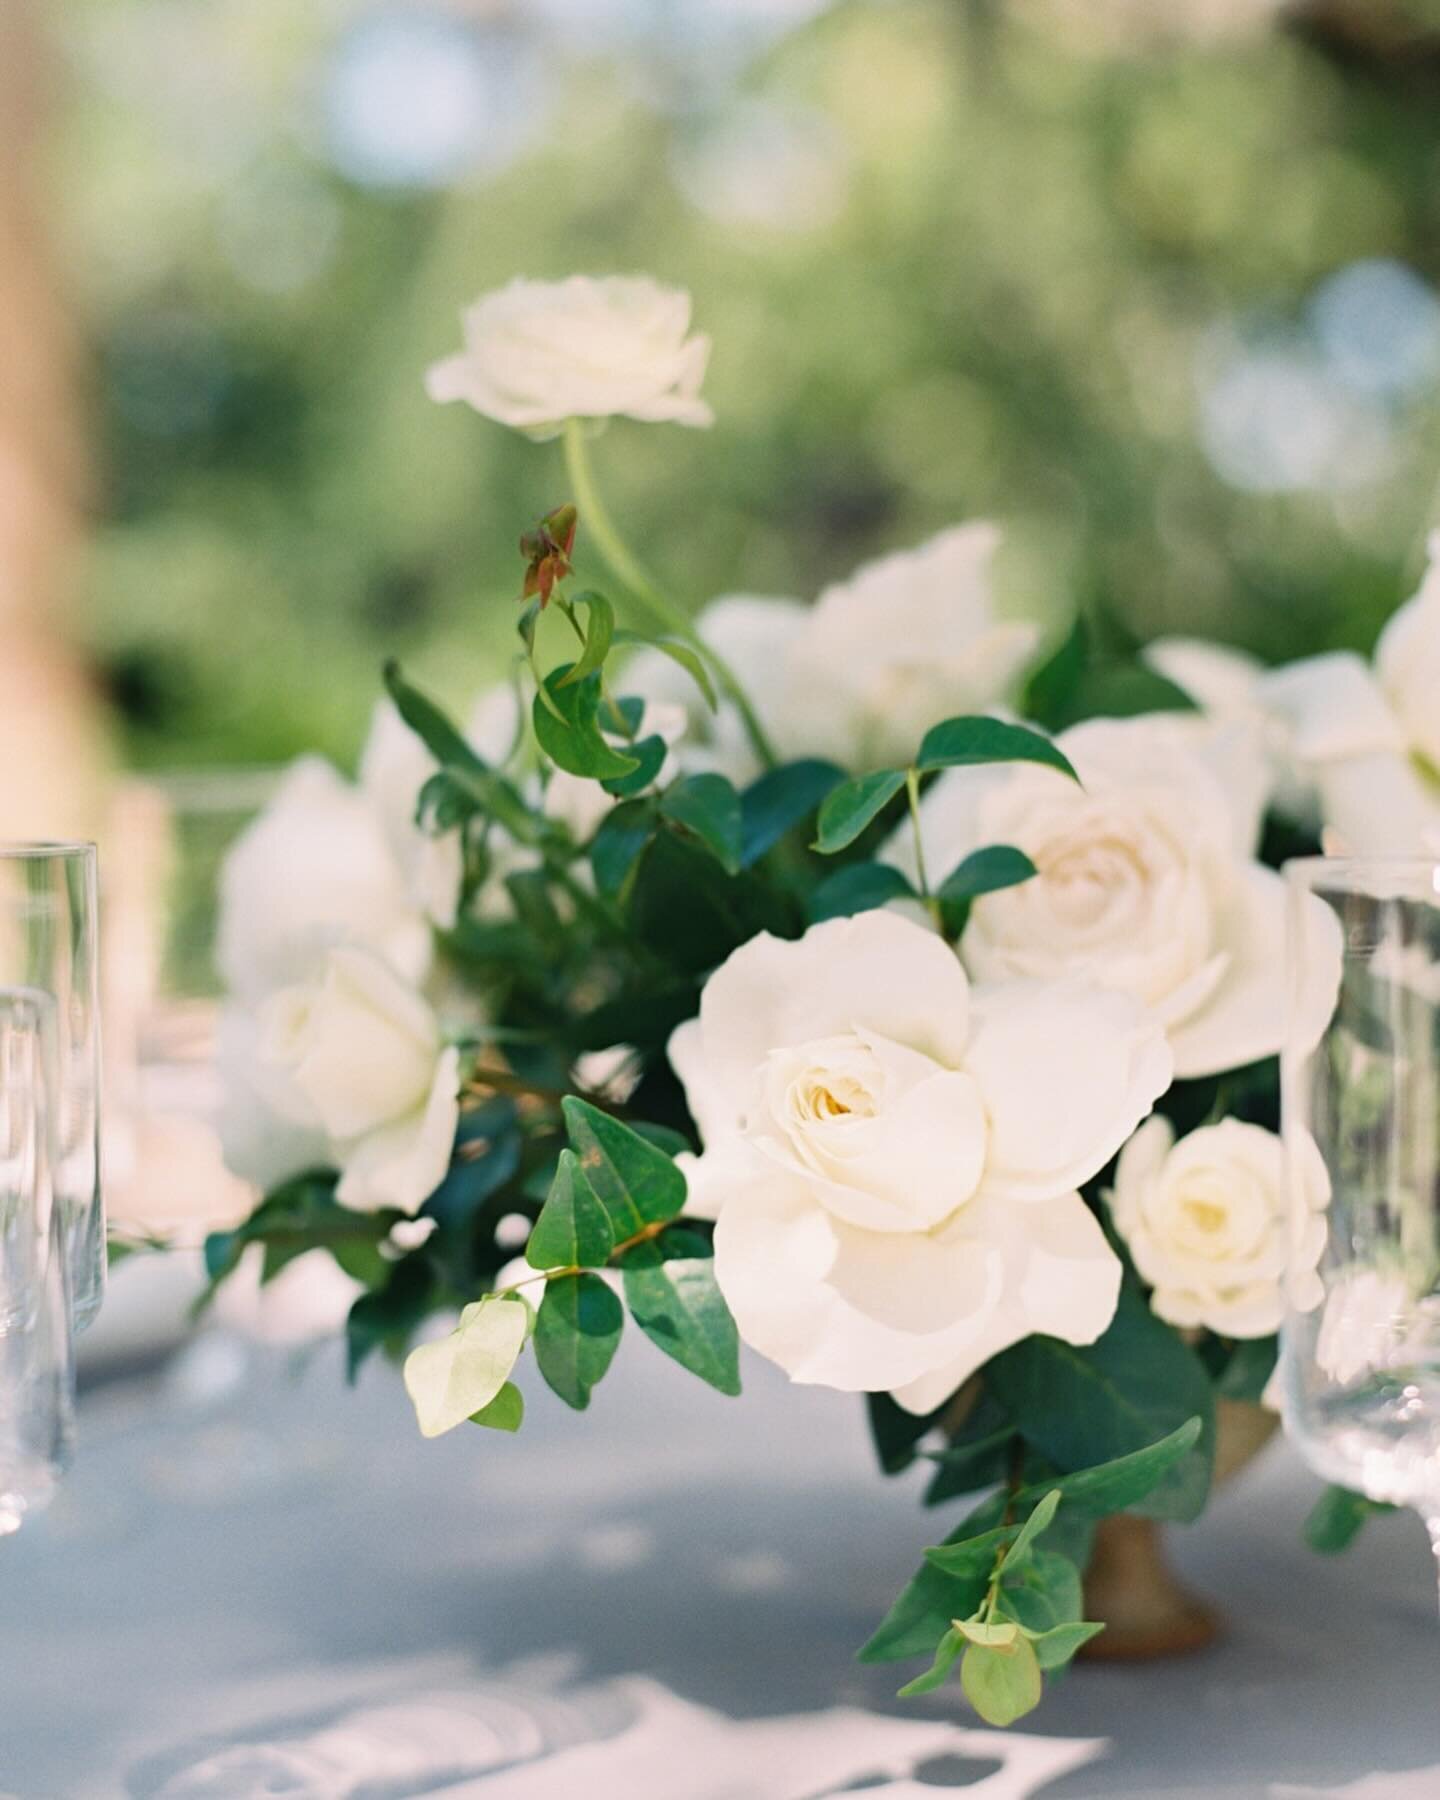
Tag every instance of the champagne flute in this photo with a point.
(1361, 1343)
(37, 1372)
(48, 945)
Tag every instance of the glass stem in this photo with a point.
(628, 569)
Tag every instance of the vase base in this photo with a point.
(1147, 1613)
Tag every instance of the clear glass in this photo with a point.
(48, 944)
(37, 1373)
(1361, 1086)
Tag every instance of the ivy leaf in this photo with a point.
(1040, 1519)
(1054, 1648)
(618, 845)
(1122, 1483)
(1002, 1683)
(576, 1335)
(779, 800)
(637, 1184)
(1338, 1518)
(938, 1673)
(649, 753)
(569, 733)
(960, 743)
(681, 653)
(459, 1375)
(934, 1596)
(857, 888)
(709, 807)
(599, 634)
(1043, 1592)
(849, 808)
(573, 1230)
(445, 742)
(986, 872)
(505, 1412)
(673, 1297)
(972, 1555)
(1085, 1405)
(895, 1432)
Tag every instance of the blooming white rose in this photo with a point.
(1239, 738)
(364, 1051)
(540, 352)
(892, 1158)
(858, 678)
(1145, 886)
(394, 766)
(1368, 738)
(1210, 1224)
(315, 868)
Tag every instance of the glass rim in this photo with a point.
(37, 848)
(1358, 872)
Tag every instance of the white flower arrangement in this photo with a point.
(825, 979)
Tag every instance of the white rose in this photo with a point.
(394, 766)
(540, 352)
(364, 1051)
(1407, 661)
(907, 641)
(858, 678)
(892, 1158)
(314, 869)
(1144, 886)
(1242, 742)
(1210, 1225)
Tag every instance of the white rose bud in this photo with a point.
(1212, 1227)
(364, 1051)
(538, 353)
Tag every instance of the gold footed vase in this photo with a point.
(1130, 1585)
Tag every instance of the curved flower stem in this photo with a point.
(628, 569)
(912, 794)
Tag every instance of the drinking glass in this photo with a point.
(1361, 1094)
(48, 935)
(37, 1374)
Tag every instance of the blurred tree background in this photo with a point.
(1151, 282)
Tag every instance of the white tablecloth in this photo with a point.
(258, 1582)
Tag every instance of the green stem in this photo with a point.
(912, 794)
(628, 569)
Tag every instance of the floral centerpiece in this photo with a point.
(846, 980)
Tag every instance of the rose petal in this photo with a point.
(402, 1164)
(1066, 1073)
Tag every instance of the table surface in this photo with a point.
(258, 1582)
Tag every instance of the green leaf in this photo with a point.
(963, 742)
(1040, 1519)
(1050, 692)
(649, 753)
(673, 1297)
(1042, 1592)
(1054, 1648)
(445, 742)
(857, 888)
(387, 1317)
(986, 872)
(599, 634)
(688, 658)
(1002, 1684)
(709, 807)
(972, 1555)
(780, 800)
(849, 808)
(896, 1432)
(576, 1335)
(938, 1673)
(505, 1412)
(1090, 1404)
(618, 845)
(998, 1634)
(1338, 1518)
(460, 1374)
(570, 734)
(1122, 690)
(637, 1184)
(1248, 1369)
(573, 1230)
(932, 1598)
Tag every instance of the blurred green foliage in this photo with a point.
(958, 260)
